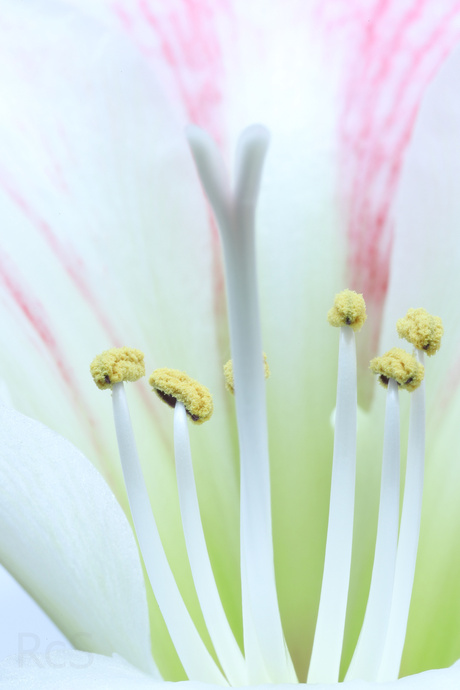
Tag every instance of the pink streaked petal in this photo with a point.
(389, 52)
(392, 51)
(183, 40)
(184, 36)
(65, 251)
(111, 238)
(16, 293)
(103, 188)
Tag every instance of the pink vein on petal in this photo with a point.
(74, 266)
(34, 313)
(394, 52)
(181, 42)
(184, 37)
(72, 263)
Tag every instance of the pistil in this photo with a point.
(264, 644)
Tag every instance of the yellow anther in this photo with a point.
(349, 310)
(399, 365)
(172, 385)
(422, 330)
(228, 373)
(116, 365)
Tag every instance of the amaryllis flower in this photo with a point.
(108, 240)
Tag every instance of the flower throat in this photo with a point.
(266, 658)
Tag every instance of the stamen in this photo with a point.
(172, 385)
(117, 364)
(408, 538)
(330, 624)
(194, 656)
(399, 365)
(402, 371)
(265, 648)
(228, 373)
(224, 642)
(349, 310)
(424, 331)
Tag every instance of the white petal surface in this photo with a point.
(23, 624)
(80, 671)
(67, 541)
(72, 670)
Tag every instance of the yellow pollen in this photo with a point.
(422, 330)
(399, 365)
(349, 310)
(116, 365)
(228, 373)
(171, 385)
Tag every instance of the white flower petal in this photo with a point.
(67, 541)
(99, 218)
(72, 670)
(5, 394)
(23, 624)
(81, 671)
(98, 182)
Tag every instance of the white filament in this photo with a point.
(195, 658)
(367, 657)
(408, 537)
(227, 650)
(265, 648)
(330, 625)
